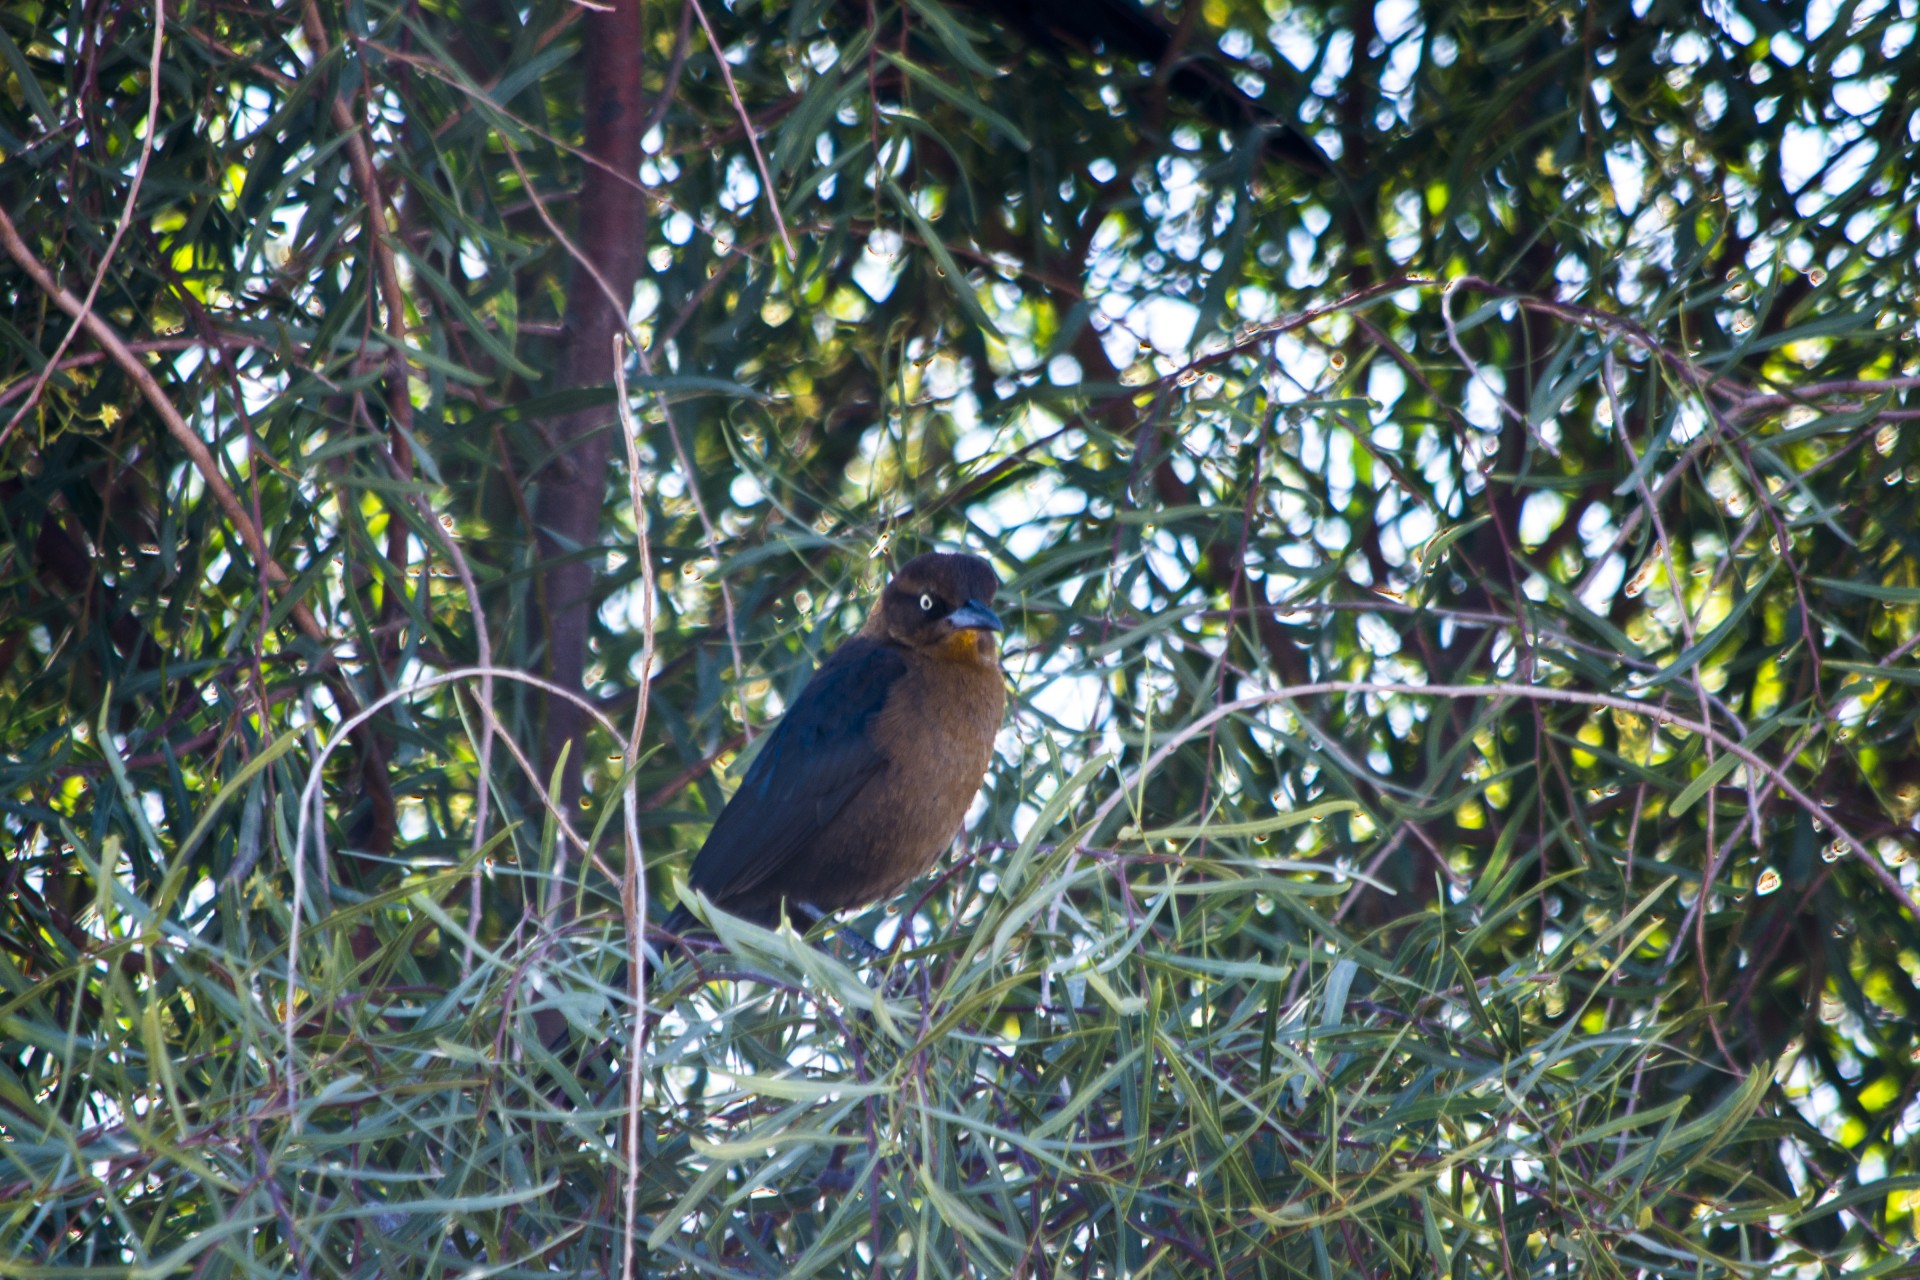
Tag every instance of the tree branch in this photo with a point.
(611, 241)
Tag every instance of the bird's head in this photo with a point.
(942, 604)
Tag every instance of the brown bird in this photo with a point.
(869, 773)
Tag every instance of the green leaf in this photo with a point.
(948, 268)
(959, 98)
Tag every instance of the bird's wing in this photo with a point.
(810, 765)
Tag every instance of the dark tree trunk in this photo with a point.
(611, 238)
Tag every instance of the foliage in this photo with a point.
(1446, 462)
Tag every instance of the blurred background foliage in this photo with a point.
(1463, 570)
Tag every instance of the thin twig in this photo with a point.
(311, 812)
(633, 881)
(692, 477)
(1501, 689)
(156, 397)
(746, 123)
(84, 359)
(120, 228)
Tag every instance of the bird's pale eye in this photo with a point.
(926, 603)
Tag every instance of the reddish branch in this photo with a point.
(237, 516)
(156, 397)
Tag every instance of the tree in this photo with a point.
(1459, 811)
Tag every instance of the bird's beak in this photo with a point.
(974, 616)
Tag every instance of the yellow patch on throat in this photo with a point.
(973, 645)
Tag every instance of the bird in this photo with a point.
(867, 777)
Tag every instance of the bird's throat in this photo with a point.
(972, 646)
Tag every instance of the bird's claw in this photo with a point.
(861, 945)
(810, 916)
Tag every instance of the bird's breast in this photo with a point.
(936, 733)
(943, 715)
